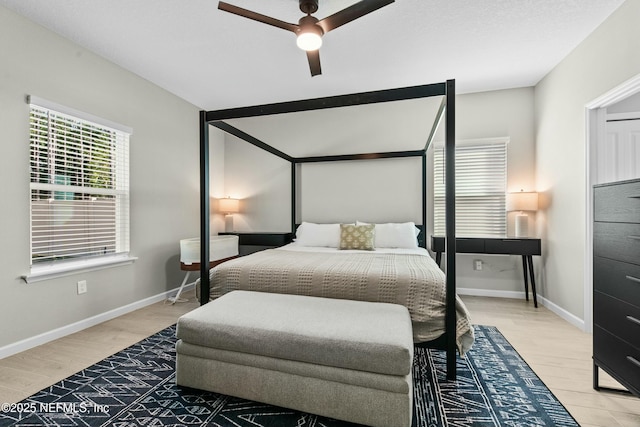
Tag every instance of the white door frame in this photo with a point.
(595, 119)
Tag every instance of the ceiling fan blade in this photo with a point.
(352, 12)
(314, 62)
(257, 16)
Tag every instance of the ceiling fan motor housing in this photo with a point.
(308, 24)
(308, 6)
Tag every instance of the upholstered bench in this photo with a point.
(349, 360)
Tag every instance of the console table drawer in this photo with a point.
(470, 246)
(617, 317)
(610, 352)
(619, 241)
(618, 279)
(617, 203)
(513, 246)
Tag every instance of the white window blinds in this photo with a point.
(481, 175)
(79, 187)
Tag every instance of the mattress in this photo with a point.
(220, 247)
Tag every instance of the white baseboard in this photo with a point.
(54, 334)
(561, 312)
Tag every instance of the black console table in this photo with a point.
(250, 242)
(526, 247)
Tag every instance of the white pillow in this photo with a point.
(396, 235)
(322, 235)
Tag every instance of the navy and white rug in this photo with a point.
(136, 387)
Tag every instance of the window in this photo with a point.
(481, 175)
(79, 186)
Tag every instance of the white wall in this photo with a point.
(164, 177)
(497, 114)
(608, 57)
(262, 182)
(385, 189)
(216, 177)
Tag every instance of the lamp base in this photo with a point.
(522, 225)
(228, 223)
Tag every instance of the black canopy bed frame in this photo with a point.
(445, 112)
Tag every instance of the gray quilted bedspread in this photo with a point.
(414, 281)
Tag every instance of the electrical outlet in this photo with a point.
(477, 264)
(82, 287)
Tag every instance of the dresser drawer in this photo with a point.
(617, 317)
(619, 241)
(618, 358)
(618, 202)
(618, 279)
(513, 246)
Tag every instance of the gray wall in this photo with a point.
(387, 189)
(164, 177)
(607, 58)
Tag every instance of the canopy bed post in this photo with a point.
(450, 221)
(293, 198)
(423, 243)
(205, 209)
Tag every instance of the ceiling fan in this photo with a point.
(309, 29)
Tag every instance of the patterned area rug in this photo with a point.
(136, 387)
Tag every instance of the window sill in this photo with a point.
(40, 273)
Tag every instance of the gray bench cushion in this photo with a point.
(371, 337)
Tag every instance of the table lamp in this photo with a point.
(522, 201)
(228, 207)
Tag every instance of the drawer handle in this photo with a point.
(633, 279)
(634, 197)
(633, 360)
(633, 319)
(633, 237)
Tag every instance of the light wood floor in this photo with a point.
(558, 352)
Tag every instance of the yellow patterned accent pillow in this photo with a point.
(357, 236)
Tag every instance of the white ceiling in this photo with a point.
(218, 60)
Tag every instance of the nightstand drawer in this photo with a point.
(513, 246)
(617, 203)
(262, 239)
(618, 279)
(619, 241)
(618, 358)
(617, 317)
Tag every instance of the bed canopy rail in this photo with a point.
(446, 112)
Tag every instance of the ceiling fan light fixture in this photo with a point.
(309, 41)
(309, 34)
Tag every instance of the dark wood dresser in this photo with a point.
(616, 283)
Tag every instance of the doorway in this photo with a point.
(613, 154)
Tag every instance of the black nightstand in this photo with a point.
(251, 242)
(527, 247)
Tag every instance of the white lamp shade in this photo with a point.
(229, 205)
(522, 201)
